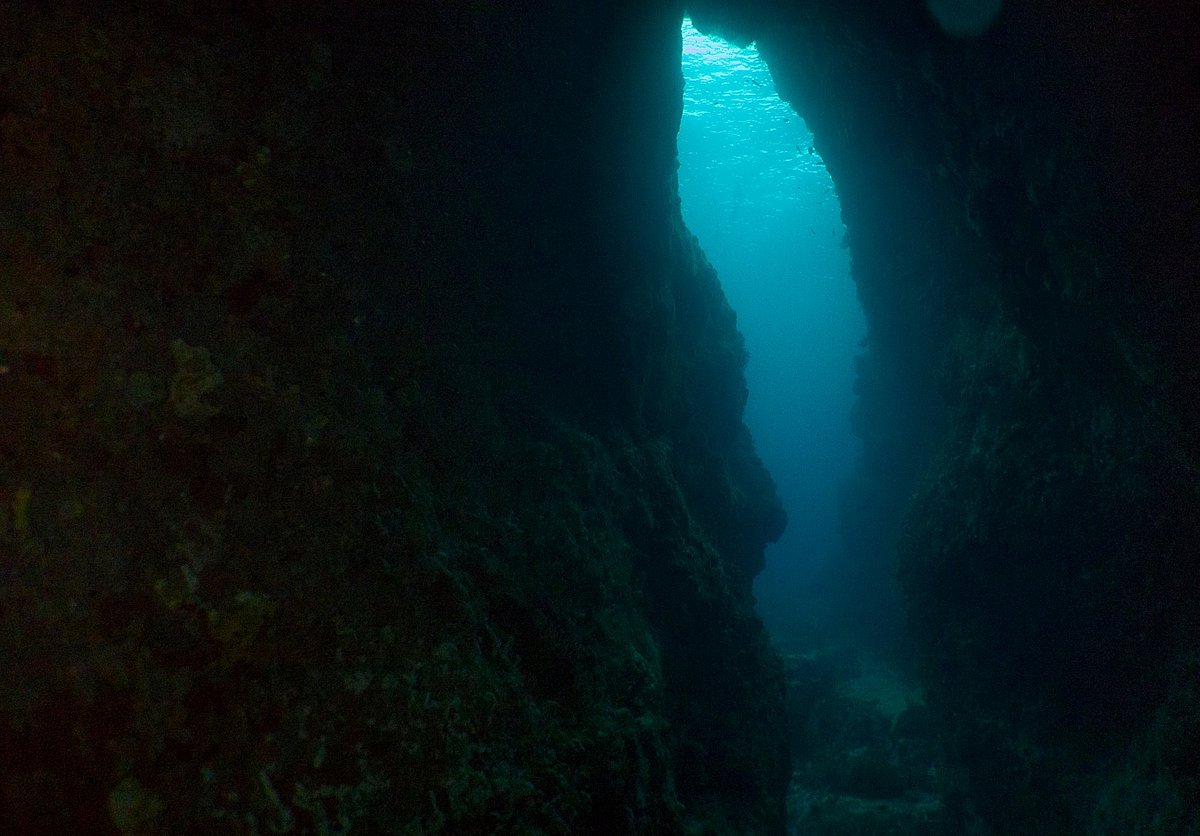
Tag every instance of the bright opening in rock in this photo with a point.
(758, 197)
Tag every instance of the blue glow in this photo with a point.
(736, 136)
(758, 197)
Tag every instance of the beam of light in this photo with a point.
(758, 197)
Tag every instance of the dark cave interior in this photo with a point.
(374, 460)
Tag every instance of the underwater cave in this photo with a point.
(755, 192)
(383, 452)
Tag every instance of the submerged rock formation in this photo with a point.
(1025, 262)
(373, 457)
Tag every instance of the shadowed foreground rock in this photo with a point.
(372, 457)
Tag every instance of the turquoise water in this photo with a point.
(758, 197)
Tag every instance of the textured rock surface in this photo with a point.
(1023, 256)
(372, 455)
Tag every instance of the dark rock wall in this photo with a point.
(373, 456)
(1022, 214)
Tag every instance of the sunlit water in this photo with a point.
(758, 197)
